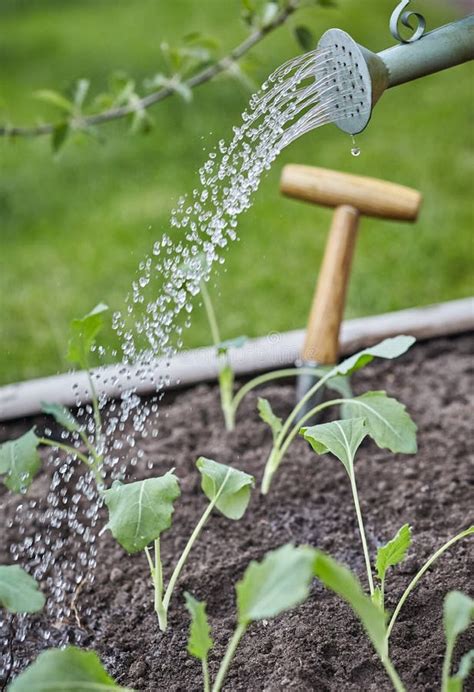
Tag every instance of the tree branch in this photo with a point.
(196, 80)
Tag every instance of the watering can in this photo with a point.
(361, 76)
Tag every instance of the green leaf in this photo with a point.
(340, 580)
(458, 615)
(231, 486)
(68, 670)
(455, 684)
(269, 12)
(59, 136)
(54, 98)
(139, 512)
(387, 421)
(341, 437)
(305, 38)
(20, 461)
(224, 346)
(267, 415)
(83, 333)
(393, 552)
(61, 415)
(280, 582)
(80, 93)
(19, 593)
(389, 349)
(199, 640)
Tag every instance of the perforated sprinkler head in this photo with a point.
(355, 78)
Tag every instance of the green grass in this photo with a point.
(74, 228)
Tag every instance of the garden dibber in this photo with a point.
(351, 196)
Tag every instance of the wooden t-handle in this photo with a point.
(322, 333)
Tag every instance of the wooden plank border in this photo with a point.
(273, 351)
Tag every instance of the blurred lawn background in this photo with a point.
(73, 228)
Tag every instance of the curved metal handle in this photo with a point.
(399, 15)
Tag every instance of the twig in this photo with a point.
(201, 77)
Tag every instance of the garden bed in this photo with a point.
(320, 645)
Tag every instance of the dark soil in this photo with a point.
(320, 645)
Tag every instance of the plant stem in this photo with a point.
(447, 666)
(309, 394)
(268, 377)
(278, 452)
(224, 388)
(210, 313)
(95, 406)
(205, 675)
(185, 553)
(190, 543)
(355, 496)
(393, 675)
(66, 448)
(229, 654)
(418, 576)
(156, 572)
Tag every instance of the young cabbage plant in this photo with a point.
(346, 585)
(458, 617)
(230, 402)
(278, 583)
(65, 670)
(386, 420)
(342, 438)
(140, 512)
(20, 460)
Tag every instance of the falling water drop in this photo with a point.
(355, 151)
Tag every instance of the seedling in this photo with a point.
(19, 459)
(140, 512)
(340, 580)
(342, 438)
(69, 669)
(278, 583)
(458, 616)
(458, 608)
(386, 420)
(230, 402)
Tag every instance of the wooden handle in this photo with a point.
(322, 333)
(370, 196)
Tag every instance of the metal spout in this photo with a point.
(359, 77)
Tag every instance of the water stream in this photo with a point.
(293, 101)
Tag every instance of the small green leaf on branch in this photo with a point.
(305, 38)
